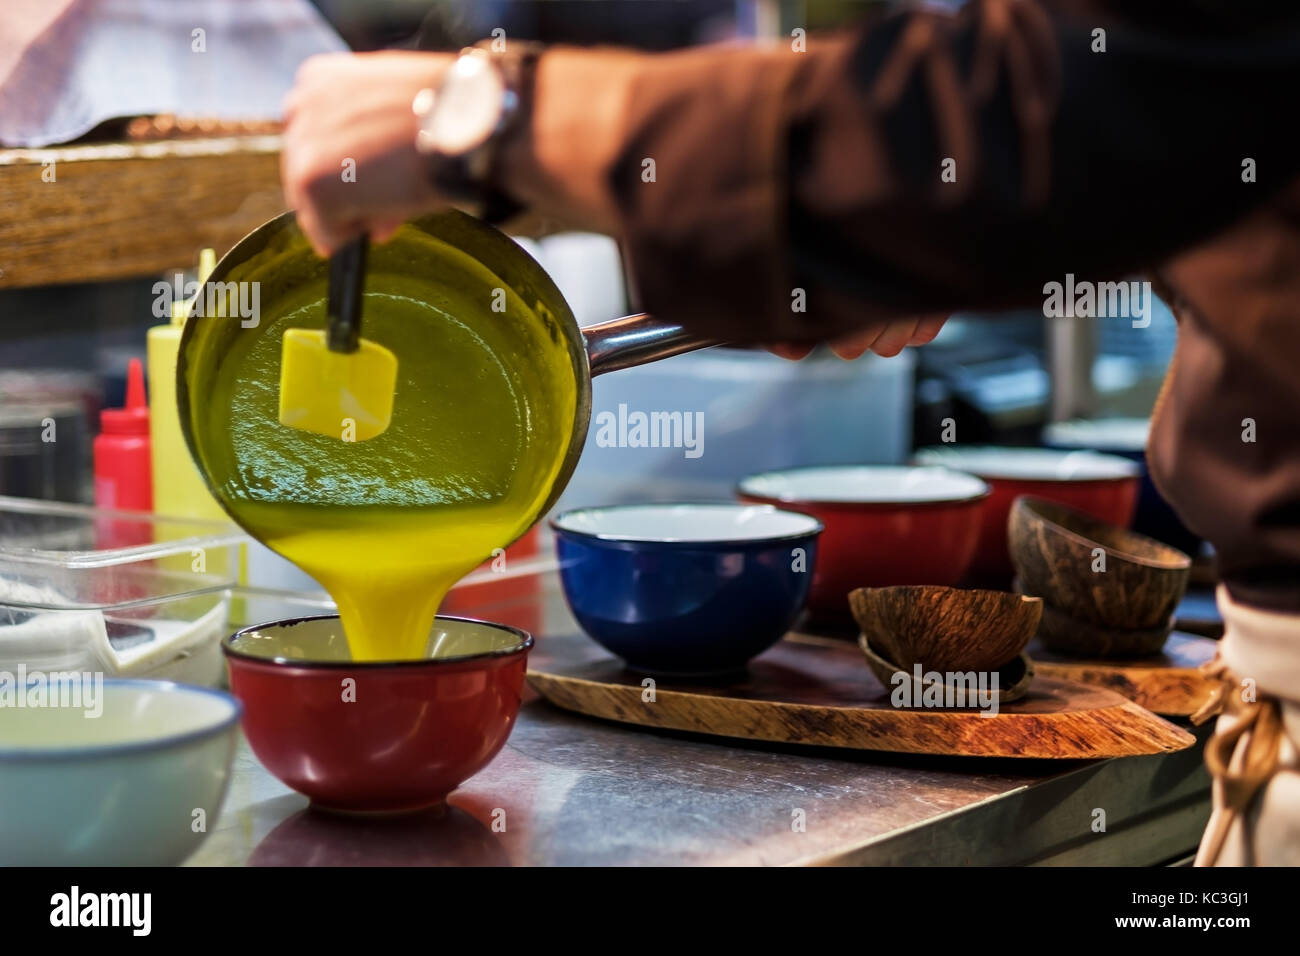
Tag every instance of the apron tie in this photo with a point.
(1241, 758)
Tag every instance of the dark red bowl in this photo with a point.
(402, 735)
(1103, 486)
(884, 525)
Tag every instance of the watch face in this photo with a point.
(466, 108)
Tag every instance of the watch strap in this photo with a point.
(474, 178)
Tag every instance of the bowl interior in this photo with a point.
(865, 484)
(945, 626)
(949, 606)
(320, 640)
(117, 713)
(1116, 434)
(1086, 532)
(1032, 464)
(687, 523)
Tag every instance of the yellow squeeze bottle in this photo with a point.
(179, 489)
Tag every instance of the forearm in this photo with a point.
(558, 166)
(674, 153)
(1068, 160)
(775, 171)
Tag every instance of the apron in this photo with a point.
(1254, 755)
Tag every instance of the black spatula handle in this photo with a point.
(343, 307)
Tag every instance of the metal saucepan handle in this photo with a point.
(636, 340)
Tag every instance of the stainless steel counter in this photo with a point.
(569, 790)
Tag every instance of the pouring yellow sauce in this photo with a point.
(482, 417)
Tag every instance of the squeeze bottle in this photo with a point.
(123, 478)
(178, 488)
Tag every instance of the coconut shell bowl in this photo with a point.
(945, 631)
(1108, 592)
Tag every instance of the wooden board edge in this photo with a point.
(183, 198)
(1173, 692)
(1120, 730)
(180, 148)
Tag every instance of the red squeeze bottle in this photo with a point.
(123, 476)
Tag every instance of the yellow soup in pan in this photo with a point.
(482, 419)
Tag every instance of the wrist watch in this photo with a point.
(482, 98)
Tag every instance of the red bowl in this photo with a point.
(402, 736)
(1103, 486)
(885, 525)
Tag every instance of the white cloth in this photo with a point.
(1264, 647)
(68, 65)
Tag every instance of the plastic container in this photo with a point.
(758, 413)
(47, 416)
(44, 451)
(157, 609)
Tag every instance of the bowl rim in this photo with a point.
(949, 589)
(1083, 431)
(54, 754)
(1029, 504)
(526, 643)
(686, 543)
(863, 503)
(1126, 469)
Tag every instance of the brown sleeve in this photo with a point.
(821, 171)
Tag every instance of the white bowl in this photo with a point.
(1030, 464)
(687, 523)
(1107, 434)
(864, 484)
(138, 785)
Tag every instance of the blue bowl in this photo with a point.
(1155, 517)
(686, 589)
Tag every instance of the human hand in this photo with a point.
(351, 113)
(886, 339)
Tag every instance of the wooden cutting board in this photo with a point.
(819, 692)
(1168, 683)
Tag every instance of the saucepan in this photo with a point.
(443, 260)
